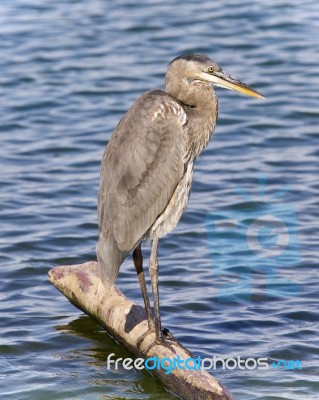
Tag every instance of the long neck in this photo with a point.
(201, 106)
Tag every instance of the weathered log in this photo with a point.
(126, 322)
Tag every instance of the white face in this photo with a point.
(201, 67)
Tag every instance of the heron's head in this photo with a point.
(199, 67)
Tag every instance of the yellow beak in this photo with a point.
(226, 81)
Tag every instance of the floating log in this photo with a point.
(126, 322)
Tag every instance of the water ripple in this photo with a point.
(69, 70)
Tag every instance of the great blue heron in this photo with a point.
(147, 168)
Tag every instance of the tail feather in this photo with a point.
(110, 259)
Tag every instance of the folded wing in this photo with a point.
(141, 167)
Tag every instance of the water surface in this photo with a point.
(68, 71)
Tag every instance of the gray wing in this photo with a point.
(141, 167)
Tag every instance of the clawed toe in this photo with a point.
(161, 340)
(142, 337)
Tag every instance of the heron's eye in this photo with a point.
(210, 70)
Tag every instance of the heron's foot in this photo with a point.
(169, 337)
(162, 339)
(142, 337)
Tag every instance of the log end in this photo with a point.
(126, 322)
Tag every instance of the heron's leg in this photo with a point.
(138, 263)
(154, 279)
(160, 336)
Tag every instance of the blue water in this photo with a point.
(231, 284)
